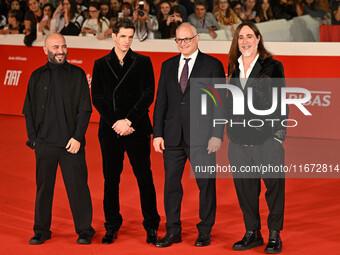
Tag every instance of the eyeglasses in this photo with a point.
(186, 40)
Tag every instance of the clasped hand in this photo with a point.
(123, 127)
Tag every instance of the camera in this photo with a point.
(141, 8)
(141, 5)
(140, 13)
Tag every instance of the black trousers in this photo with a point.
(138, 151)
(174, 162)
(248, 184)
(74, 172)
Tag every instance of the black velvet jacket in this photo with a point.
(266, 74)
(129, 96)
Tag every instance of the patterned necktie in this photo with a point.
(184, 75)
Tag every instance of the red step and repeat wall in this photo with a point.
(18, 62)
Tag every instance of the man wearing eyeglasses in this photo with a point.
(172, 134)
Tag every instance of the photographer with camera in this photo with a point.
(168, 27)
(65, 19)
(145, 23)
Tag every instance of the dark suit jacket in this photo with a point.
(261, 83)
(129, 96)
(76, 96)
(173, 116)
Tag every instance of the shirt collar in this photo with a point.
(127, 55)
(240, 61)
(66, 65)
(192, 57)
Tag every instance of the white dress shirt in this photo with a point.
(244, 77)
(191, 63)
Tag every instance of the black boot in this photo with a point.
(151, 236)
(203, 239)
(274, 245)
(109, 237)
(250, 240)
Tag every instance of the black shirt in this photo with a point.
(55, 131)
(76, 101)
(29, 15)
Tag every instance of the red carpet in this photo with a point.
(312, 216)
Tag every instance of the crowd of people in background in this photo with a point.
(152, 18)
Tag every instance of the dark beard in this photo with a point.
(53, 60)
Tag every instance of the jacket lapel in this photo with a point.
(196, 70)
(195, 73)
(235, 79)
(129, 61)
(173, 72)
(110, 60)
(256, 70)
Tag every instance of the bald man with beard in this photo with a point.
(57, 110)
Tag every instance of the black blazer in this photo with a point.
(172, 108)
(129, 96)
(261, 83)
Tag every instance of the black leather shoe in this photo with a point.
(38, 239)
(151, 236)
(84, 238)
(109, 237)
(203, 239)
(274, 245)
(250, 240)
(168, 240)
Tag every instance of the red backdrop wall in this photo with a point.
(18, 62)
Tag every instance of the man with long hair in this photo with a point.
(254, 72)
